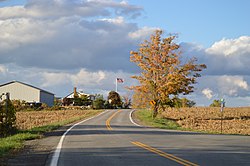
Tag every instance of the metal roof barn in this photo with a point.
(22, 91)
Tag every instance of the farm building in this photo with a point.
(79, 94)
(22, 91)
(78, 99)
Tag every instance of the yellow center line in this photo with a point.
(151, 149)
(163, 154)
(109, 119)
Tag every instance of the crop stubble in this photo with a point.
(30, 119)
(234, 120)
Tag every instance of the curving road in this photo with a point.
(111, 139)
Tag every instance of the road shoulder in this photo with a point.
(36, 152)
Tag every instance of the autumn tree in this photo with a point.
(141, 98)
(162, 72)
(114, 99)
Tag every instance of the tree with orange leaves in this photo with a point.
(162, 73)
(141, 99)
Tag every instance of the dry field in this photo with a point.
(30, 119)
(235, 120)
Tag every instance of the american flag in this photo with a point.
(119, 80)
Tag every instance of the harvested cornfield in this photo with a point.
(30, 119)
(234, 120)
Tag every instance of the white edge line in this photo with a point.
(57, 152)
(130, 117)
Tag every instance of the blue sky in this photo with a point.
(199, 21)
(12, 2)
(59, 44)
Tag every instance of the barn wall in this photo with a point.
(47, 98)
(20, 91)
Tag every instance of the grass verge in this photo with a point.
(145, 117)
(16, 142)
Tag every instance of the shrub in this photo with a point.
(7, 117)
(98, 103)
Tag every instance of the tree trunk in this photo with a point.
(155, 111)
(163, 107)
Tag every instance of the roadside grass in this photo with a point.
(145, 117)
(16, 142)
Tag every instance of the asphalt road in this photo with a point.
(112, 139)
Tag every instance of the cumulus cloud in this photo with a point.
(142, 33)
(66, 8)
(208, 93)
(69, 35)
(227, 74)
(225, 57)
(54, 79)
(85, 78)
(88, 81)
(61, 83)
(231, 47)
(118, 20)
(19, 33)
(234, 86)
(74, 43)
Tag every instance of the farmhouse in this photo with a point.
(79, 94)
(78, 99)
(22, 91)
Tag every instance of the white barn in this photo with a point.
(22, 91)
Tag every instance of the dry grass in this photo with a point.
(31, 119)
(235, 120)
